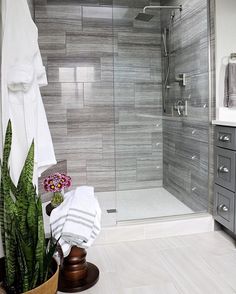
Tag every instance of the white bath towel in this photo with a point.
(77, 221)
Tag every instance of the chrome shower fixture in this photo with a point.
(143, 16)
(164, 40)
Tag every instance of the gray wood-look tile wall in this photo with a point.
(103, 101)
(186, 139)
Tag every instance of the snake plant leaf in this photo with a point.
(24, 272)
(7, 145)
(27, 253)
(49, 255)
(12, 187)
(35, 276)
(32, 216)
(26, 175)
(4, 188)
(23, 189)
(9, 240)
(40, 248)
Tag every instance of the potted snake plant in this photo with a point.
(29, 264)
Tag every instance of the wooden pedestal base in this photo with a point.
(80, 285)
(76, 274)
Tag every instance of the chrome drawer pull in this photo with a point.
(223, 170)
(224, 138)
(223, 208)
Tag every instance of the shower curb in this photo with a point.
(156, 228)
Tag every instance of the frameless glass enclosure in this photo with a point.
(161, 108)
(127, 101)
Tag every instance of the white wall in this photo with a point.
(225, 42)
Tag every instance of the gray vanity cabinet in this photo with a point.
(225, 177)
(225, 168)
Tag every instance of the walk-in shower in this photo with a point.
(114, 101)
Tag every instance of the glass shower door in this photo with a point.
(138, 111)
(161, 156)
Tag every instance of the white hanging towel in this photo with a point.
(230, 84)
(22, 75)
(77, 221)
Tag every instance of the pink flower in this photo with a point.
(56, 182)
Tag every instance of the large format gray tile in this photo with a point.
(186, 140)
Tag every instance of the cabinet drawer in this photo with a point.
(225, 137)
(224, 207)
(225, 168)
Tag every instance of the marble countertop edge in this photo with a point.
(224, 123)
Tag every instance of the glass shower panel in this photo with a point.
(138, 110)
(161, 156)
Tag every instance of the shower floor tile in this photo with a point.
(148, 203)
(139, 204)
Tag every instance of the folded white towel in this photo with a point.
(77, 221)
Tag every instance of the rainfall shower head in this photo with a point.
(144, 16)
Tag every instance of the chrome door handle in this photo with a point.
(224, 138)
(223, 170)
(223, 207)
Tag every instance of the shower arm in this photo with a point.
(162, 7)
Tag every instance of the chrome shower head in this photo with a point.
(144, 16)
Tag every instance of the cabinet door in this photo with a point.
(224, 202)
(225, 137)
(225, 168)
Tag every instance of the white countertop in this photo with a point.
(224, 123)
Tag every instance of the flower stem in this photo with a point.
(57, 199)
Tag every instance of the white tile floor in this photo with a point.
(139, 204)
(193, 264)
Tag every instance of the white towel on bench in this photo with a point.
(77, 221)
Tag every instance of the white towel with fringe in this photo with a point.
(77, 221)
